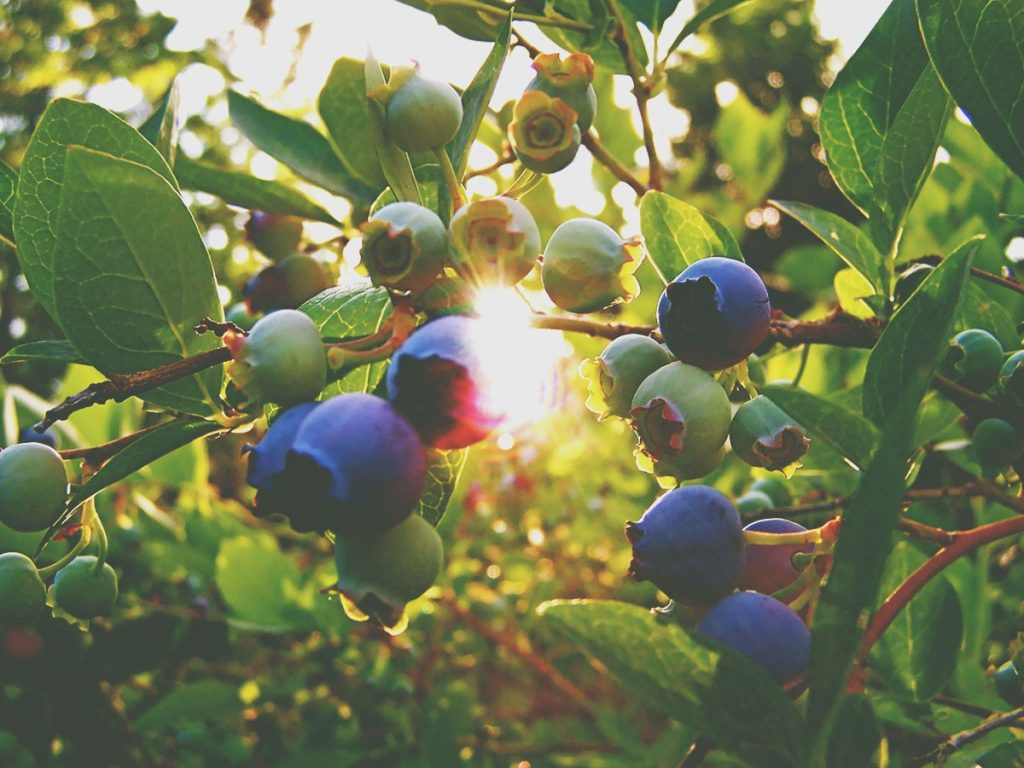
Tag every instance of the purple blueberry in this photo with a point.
(715, 313)
(356, 465)
(768, 568)
(46, 437)
(689, 542)
(763, 629)
(436, 379)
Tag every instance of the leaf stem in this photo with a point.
(1005, 282)
(455, 190)
(85, 536)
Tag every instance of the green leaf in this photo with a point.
(50, 350)
(298, 145)
(64, 123)
(978, 50)
(8, 189)
(847, 241)
(719, 693)
(1004, 756)
(676, 234)
(753, 144)
(849, 433)
(854, 736)
(919, 651)
(443, 471)
(248, 191)
(162, 127)
(652, 13)
(258, 582)
(132, 277)
(915, 341)
(705, 15)
(136, 455)
(980, 310)
(899, 372)
(477, 97)
(348, 313)
(394, 163)
(882, 119)
(345, 111)
(465, 22)
(598, 40)
(191, 703)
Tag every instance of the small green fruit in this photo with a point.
(543, 132)
(775, 488)
(240, 316)
(495, 241)
(1011, 378)
(84, 591)
(419, 114)
(405, 247)
(764, 435)
(274, 235)
(588, 267)
(22, 592)
(281, 361)
(997, 444)
(974, 359)
(569, 79)
(754, 503)
(33, 486)
(616, 374)
(1009, 684)
(380, 573)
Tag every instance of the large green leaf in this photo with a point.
(717, 692)
(191, 703)
(1004, 756)
(259, 582)
(347, 313)
(132, 277)
(298, 145)
(248, 191)
(847, 432)
(8, 188)
(753, 144)
(676, 234)
(899, 372)
(477, 97)
(919, 651)
(708, 13)
(847, 241)
(443, 471)
(653, 13)
(882, 119)
(346, 114)
(65, 122)
(978, 50)
(162, 127)
(854, 736)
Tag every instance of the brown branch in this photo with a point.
(121, 387)
(519, 648)
(986, 726)
(608, 160)
(1005, 282)
(507, 158)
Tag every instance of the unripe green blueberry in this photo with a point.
(382, 572)
(419, 114)
(615, 375)
(274, 235)
(588, 267)
(33, 486)
(1009, 684)
(1011, 378)
(83, 590)
(756, 371)
(281, 361)
(775, 488)
(974, 359)
(754, 503)
(764, 435)
(239, 315)
(286, 285)
(681, 417)
(22, 592)
(997, 444)
(543, 132)
(405, 247)
(569, 79)
(495, 241)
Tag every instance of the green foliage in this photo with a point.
(677, 234)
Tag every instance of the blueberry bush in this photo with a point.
(398, 459)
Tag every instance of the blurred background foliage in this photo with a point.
(223, 651)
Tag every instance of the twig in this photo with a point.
(507, 158)
(1006, 282)
(218, 329)
(543, 668)
(986, 726)
(608, 160)
(121, 387)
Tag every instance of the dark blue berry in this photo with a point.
(267, 466)
(46, 437)
(715, 313)
(690, 544)
(763, 629)
(437, 380)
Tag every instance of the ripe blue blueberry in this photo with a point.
(266, 473)
(763, 629)
(715, 313)
(437, 380)
(689, 543)
(46, 437)
(768, 568)
(357, 464)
